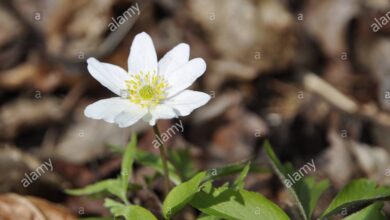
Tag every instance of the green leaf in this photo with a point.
(357, 193)
(207, 217)
(207, 186)
(373, 211)
(305, 192)
(154, 161)
(309, 192)
(113, 186)
(129, 212)
(239, 182)
(92, 189)
(116, 208)
(137, 212)
(116, 188)
(182, 194)
(231, 204)
(183, 163)
(115, 148)
(96, 218)
(127, 162)
(230, 169)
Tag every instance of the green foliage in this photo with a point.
(102, 188)
(371, 212)
(309, 192)
(151, 160)
(179, 196)
(204, 216)
(96, 218)
(231, 169)
(117, 187)
(183, 163)
(358, 193)
(96, 188)
(127, 162)
(231, 201)
(232, 204)
(239, 182)
(129, 212)
(305, 192)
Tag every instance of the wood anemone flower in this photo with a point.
(150, 90)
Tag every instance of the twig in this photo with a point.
(346, 104)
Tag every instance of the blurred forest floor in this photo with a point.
(311, 76)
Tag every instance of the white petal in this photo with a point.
(111, 76)
(142, 56)
(183, 77)
(173, 59)
(186, 101)
(130, 116)
(161, 111)
(107, 109)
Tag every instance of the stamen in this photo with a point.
(147, 90)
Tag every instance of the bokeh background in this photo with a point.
(311, 76)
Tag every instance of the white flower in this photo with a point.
(150, 90)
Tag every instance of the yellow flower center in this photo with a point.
(147, 89)
(147, 92)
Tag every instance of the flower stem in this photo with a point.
(164, 159)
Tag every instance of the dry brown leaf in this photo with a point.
(223, 70)
(17, 207)
(254, 33)
(217, 106)
(327, 21)
(234, 140)
(11, 39)
(374, 53)
(22, 75)
(337, 156)
(87, 139)
(25, 113)
(372, 160)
